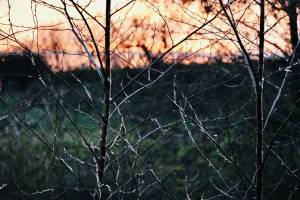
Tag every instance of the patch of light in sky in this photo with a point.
(21, 10)
(154, 11)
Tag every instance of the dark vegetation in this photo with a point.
(35, 101)
(20, 70)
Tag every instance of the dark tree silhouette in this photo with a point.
(20, 69)
(290, 8)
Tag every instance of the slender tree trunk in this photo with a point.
(293, 16)
(107, 90)
(259, 106)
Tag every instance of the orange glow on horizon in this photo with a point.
(156, 25)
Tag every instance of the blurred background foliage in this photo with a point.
(164, 143)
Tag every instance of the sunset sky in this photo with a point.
(151, 18)
(22, 11)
